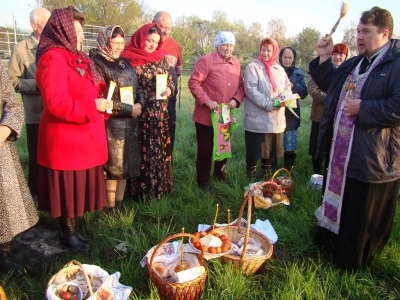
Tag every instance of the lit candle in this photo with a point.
(229, 224)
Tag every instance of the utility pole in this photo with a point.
(15, 29)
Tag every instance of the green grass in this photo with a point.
(297, 270)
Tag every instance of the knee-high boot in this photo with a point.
(69, 237)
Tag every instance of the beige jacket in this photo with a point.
(318, 100)
(22, 72)
(259, 113)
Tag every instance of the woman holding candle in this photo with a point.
(145, 53)
(72, 138)
(122, 126)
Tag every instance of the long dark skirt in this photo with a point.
(366, 223)
(71, 193)
(313, 143)
(155, 178)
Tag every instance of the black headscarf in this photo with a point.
(289, 70)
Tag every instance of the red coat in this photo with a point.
(72, 133)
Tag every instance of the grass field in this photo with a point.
(297, 270)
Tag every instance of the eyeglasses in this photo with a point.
(122, 44)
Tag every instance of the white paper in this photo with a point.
(161, 85)
(263, 227)
(290, 97)
(126, 94)
(190, 274)
(111, 89)
(226, 113)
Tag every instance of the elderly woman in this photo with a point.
(216, 79)
(287, 59)
(72, 139)
(144, 52)
(122, 126)
(17, 211)
(339, 55)
(264, 118)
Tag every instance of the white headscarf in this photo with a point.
(224, 37)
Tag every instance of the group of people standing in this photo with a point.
(355, 126)
(109, 118)
(101, 121)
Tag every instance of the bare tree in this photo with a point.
(350, 37)
(276, 29)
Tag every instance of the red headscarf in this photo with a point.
(271, 61)
(134, 50)
(59, 32)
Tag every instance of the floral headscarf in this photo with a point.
(271, 61)
(134, 50)
(104, 41)
(59, 32)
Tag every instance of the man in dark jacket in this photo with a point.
(361, 127)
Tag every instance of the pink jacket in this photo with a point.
(214, 79)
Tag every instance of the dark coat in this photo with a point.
(299, 87)
(122, 128)
(376, 143)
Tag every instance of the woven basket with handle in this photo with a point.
(283, 184)
(190, 290)
(72, 267)
(248, 264)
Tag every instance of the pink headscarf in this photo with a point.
(271, 61)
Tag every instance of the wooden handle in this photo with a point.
(174, 236)
(71, 264)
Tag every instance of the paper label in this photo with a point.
(226, 113)
(111, 89)
(161, 85)
(126, 94)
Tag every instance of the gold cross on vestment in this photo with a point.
(350, 87)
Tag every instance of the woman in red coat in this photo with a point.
(72, 140)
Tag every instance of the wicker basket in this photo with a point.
(284, 183)
(190, 290)
(73, 266)
(248, 264)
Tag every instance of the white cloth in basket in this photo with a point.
(108, 286)
(263, 227)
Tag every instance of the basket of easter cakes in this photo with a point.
(175, 269)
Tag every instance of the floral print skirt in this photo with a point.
(155, 177)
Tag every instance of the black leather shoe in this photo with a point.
(7, 265)
(84, 237)
(120, 207)
(73, 241)
(204, 186)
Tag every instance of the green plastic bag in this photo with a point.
(222, 133)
